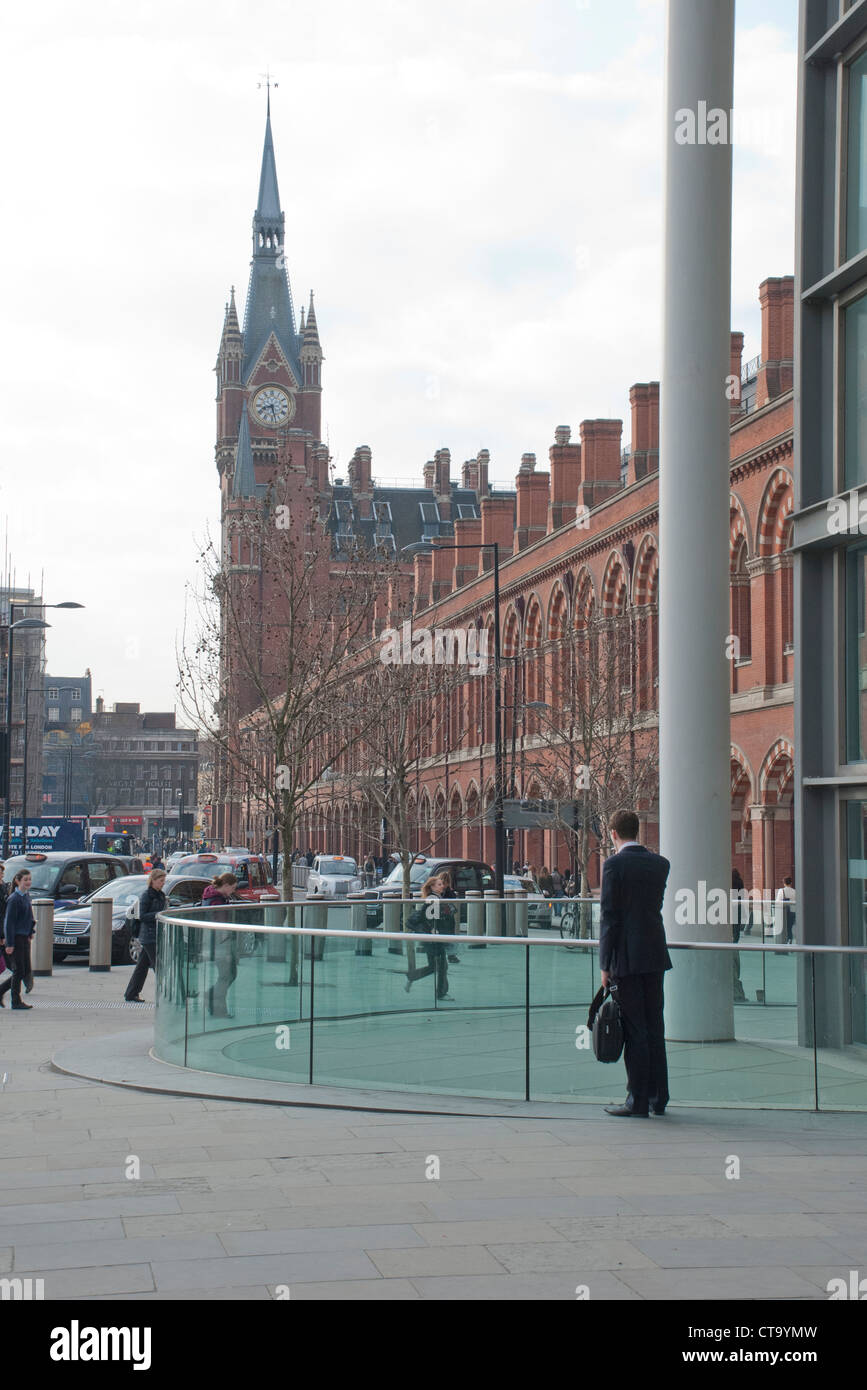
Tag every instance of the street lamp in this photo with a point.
(426, 547)
(12, 626)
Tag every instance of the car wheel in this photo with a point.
(133, 946)
(58, 957)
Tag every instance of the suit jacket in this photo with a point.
(632, 937)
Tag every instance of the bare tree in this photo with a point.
(594, 746)
(265, 665)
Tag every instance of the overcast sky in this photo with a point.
(473, 189)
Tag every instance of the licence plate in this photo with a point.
(66, 940)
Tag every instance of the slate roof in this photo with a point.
(269, 295)
(402, 515)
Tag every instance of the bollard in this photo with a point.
(510, 912)
(316, 918)
(358, 922)
(100, 933)
(521, 914)
(492, 913)
(475, 918)
(275, 946)
(43, 953)
(392, 920)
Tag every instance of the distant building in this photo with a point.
(28, 664)
(137, 769)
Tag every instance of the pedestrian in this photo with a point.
(156, 862)
(633, 958)
(446, 890)
(310, 856)
(4, 890)
(785, 901)
(370, 872)
(557, 883)
(227, 945)
(546, 882)
(19, 924)
(738, 918)
(152, 902)
(426, 918)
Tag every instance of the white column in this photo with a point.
(694, 505)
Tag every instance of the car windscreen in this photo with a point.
(194, 869)
(417, 874)
(124, 890)
(338, 868)
(44, 874)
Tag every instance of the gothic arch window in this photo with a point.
(741, 609)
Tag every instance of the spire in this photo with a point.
(269, 298)
(244, 480)
(232, 324)
(268, 205)
(311, 332)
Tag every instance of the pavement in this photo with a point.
(129, 1193)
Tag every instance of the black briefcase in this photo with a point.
(606, 1026)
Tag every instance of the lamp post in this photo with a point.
(31, 690)
(12, 627)
(425, 547)
(180, 816)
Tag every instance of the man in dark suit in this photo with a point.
(633, 957)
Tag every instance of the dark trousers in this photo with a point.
(146, 961)
(641, 1004)
(437, 964)
(21, 969)
(227, 970)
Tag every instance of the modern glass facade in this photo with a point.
(829, 538)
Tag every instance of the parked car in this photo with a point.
(66, 876)
(468, 876)
(540, 910)
(253, 872)
(72, 928)
(333, 876)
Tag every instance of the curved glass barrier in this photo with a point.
(324, 993)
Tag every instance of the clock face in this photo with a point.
(273, 406)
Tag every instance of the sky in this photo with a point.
(472, 188)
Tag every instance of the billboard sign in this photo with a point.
(47, 833)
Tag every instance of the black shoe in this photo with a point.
(455, 960)
(133, 999)
(657, 1109)
(18, 1005)
(625, 1112)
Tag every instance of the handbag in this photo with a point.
(5, 968)
(606, 1025)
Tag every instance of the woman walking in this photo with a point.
(151, 903)
(227, 945)
(427, 918)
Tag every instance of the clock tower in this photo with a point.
(269, 370)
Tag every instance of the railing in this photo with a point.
(321, 993)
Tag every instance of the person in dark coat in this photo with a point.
(218, 893)
(446, 890)
(427, 918)
(19, 924)
(151, 903)
(633, 958)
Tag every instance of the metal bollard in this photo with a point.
(316, 918)
(492, 913)
(358, 922)
(43, 953)
(275, 945)
(100, 933)
(392, 920)
(475, 918)
(521, 914)
(510, 912)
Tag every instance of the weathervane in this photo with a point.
(266, 82)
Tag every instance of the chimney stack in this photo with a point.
(429, 474)
(564, 460)
(531, 521)
(777, 300)
(600, 460)
(484, 459)
(498, 526)
(360, 480)
(736, 353)
(644, 451)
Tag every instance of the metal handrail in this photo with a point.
(180, 918)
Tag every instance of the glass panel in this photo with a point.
(171, 993)
(564, 977)
(856, 857)
(244, 1013)
(842, 1057)
(371, 1031)
(856, 187)
(855, 411)
(856, 653)
(762, 1064)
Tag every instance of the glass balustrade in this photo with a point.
(321, 993)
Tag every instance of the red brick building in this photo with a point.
(608, 565)
(556, 573)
